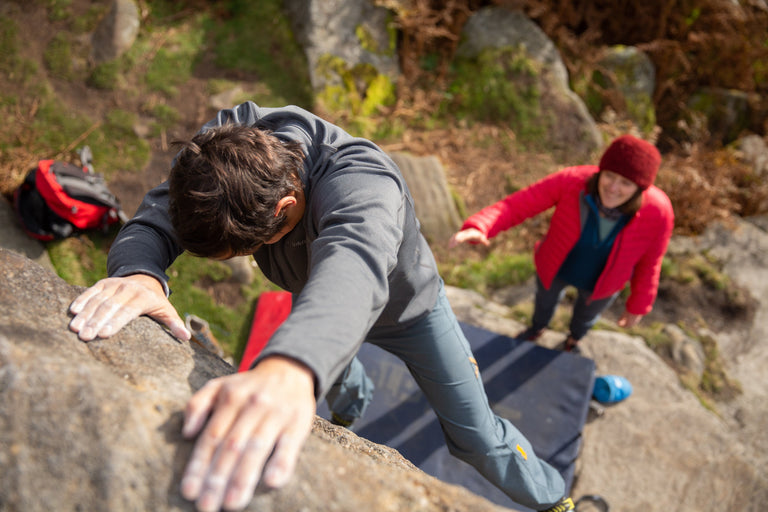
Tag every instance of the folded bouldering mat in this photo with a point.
(545, 393)
(272, 309)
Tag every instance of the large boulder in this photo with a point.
(97, 426)
(351, 52)
(435, 205)
(627, 74)
(722, 114)
(116, 32)
(742, 248)
(545, 106)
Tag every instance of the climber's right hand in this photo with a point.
(107, 306)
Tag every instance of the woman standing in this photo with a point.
(610, 226)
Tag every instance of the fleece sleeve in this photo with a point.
(358, 214)
(146, 245)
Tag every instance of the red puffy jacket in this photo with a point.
(637, 252)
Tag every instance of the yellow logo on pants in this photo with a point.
(474, 365)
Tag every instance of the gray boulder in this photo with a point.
(628, 72)
(350, 49)
(568, 129)
(117, 31)
(97, 426)
(754, 151)
(434, 204)
(717, 113)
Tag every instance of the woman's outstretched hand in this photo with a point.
(469, 235)
(628, 320)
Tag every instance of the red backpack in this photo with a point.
(59, 199)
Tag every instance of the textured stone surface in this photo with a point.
(116, 32)
(571, 130)
(435, 206)
(356, 32)
(96, 426)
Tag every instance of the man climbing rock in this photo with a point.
(328, 217)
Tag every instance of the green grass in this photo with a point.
(117, 146)
(695, 269)
(58, 10)
(229, 326)
(165, 116)
(493, 272)
(174, 61)
(81, 260)
(16, 69)
(256, 38)
(88, 22)
(497, 86)
(55, 127)
(58, 57)
(106, 76)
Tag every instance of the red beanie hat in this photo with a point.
(633, 158)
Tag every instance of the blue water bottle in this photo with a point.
(611, 389)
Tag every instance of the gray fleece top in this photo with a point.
(357, 262)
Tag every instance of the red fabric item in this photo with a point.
(271, 310)
(633, 158)
(637, 252)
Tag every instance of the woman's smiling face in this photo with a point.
(615, 189)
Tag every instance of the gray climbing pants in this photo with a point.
(439, 357)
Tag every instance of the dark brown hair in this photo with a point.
(630, 207)
(225, 185)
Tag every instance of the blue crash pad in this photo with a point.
(545, 393)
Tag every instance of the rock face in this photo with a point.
(350, 49)
(117, 31)
(629, 72)
(435, 207)
(570, 129)
(97, 426)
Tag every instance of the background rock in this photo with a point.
(726, 113)
(570, 129)
(356, 32)
(117, 31)
(14, 238)
(435, 207)
(742, 249)
(630, 73)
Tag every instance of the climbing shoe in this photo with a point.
(202, 335)
(337, 419)
(572, 345)
(564, 505)
(530, 334)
